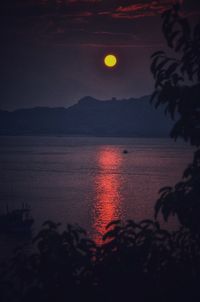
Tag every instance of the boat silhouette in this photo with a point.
(125, 151)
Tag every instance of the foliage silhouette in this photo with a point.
(138, 260)
(184, 199)
(177, 86)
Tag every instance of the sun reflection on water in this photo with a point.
(108, 199)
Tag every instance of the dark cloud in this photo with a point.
(77, 20)
(48, 18)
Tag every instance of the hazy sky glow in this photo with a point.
(52, 50)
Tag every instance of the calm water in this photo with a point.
(88, 181)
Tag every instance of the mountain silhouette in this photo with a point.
(129, 117)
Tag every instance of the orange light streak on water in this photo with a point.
(108, 199)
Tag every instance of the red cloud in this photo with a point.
(79, 1)
(132, 8)
(125, 16)
(137, 10)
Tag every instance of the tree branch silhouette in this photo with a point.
(177, 87)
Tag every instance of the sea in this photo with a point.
(88, 181)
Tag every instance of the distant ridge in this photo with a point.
(129, 118)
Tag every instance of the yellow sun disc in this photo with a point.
(110, 60)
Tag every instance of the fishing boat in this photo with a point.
(125, 151)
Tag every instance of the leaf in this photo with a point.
(157, 53)
(173, 36)
(153, 96)
(50, 224)
(180, 44)
(113, 223)
(165, 189)
(185, 26)
(162, 64)
(166, 14)
(153, 65)
(171, 69)
(110, 234)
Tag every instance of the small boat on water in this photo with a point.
(125, 151)
(18, 221)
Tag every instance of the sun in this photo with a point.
(110, 60)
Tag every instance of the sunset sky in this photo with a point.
(52, 50)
